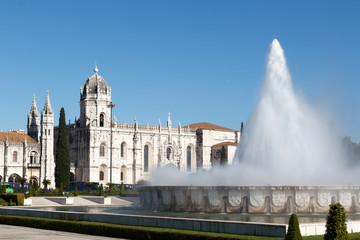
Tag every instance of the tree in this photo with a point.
(122, 189)
(336, 223)
(22, 182)
(110, 185)
(89, 185)
(76, 191)
(101, 190)
(293, 232)
(46, 182)
(3, 188)
(62, 157)
(223, 160)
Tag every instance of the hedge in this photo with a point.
(17, 198)
(120, 231)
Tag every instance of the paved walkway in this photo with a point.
(82, 201)
(18, 232)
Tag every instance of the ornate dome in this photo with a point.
(95, 84)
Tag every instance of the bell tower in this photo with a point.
(47, 143)
(95, 100)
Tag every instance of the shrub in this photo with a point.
(3, 188)
(114, 230)
(36, 188)
(293, 232)
(336, 223)
(76, 191)
(122, 189)
(31, 191)
(101, 190)
(3, 202)
(61, 189)
(16, 198)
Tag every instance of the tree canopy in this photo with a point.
(62, 156)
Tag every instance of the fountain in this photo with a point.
(289, 160)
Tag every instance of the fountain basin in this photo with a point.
(249, 199)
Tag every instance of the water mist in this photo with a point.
(286, 141)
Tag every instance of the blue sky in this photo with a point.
(200, 60)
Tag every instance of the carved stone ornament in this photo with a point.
(180, 198)
(302, 198)
(214, 197)
(324, 198)
(166, 196)
(148, 197)
(257, 198)
(278, 198)
(196, 197)
(155, 197)
(345, 198)
(234, 198)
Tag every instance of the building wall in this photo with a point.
(21, 166)
(210, 138)
(87, 162)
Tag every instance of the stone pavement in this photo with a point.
(18, 232)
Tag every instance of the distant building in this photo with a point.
(30, 155)
(133, 152)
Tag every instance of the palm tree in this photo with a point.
(22, 182)
(46, 182)
(110, 186)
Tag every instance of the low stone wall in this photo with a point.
(216, 226)
(249, 199)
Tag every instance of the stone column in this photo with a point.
(24, 159)
(6, 150)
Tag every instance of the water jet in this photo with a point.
(287, 161)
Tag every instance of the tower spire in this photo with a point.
(47, 106)
(169, 121)
(33, 109)
(33, 125)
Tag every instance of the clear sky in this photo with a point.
(203, 61)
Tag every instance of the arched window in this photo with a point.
(101, 120)
(72, 177)
(188, 158)
(102, 150)
(103, 172)
(122, 173)
(15, 156)
(146, 158)
(168, 153)
(14, 178)
(33, 157)
(49, 132)
(33, 180)
(122, 149)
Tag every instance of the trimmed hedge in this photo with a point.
(17, 198)
(120, 231)
(3, 202)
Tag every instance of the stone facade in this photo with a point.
(30, 155)
(102, 150)
(119, 152)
